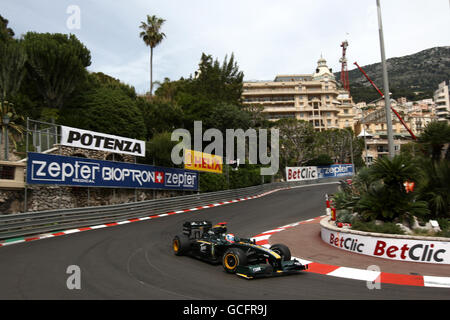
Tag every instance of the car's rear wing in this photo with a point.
(196, 228)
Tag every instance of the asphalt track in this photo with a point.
(135, 261)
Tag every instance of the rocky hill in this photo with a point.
(414, 76)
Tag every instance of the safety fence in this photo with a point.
(28, 223)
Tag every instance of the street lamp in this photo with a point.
(351, 149)
(387, 98)
(5, 124)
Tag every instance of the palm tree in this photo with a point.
(434, 136)
(15, 130)
(152, 36)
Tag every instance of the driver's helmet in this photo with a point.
(230, 238)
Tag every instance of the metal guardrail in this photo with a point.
(28, 223)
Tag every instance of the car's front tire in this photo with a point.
(282, 250)
(232, 258)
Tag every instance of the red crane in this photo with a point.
(344, 70)
(382, 95)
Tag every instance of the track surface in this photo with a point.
(135, 261)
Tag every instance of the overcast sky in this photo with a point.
(267, 37)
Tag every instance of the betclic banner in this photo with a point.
(301, 173)
(73, 171)
(409, 250)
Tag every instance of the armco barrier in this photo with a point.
(21, 224)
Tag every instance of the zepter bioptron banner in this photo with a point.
(79, 138)
(72, 171)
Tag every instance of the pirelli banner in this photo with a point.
(82, 172)
(196, 160)
(80, 138)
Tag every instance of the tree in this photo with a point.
(15, 129)
(434, 186)
(296, 141)
(106, 109)
(5, 32)
(152, 36)
(56, 63)
(160, 115)
(386, 197)
(12, 71)
(434, 136)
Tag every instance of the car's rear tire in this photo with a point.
(282, 250)
(181, 245)
(232, 258)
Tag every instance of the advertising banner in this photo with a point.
(72, 171)
(335, 170)
(301, 173)
(80, 138)
(196, 160)
(426, 251)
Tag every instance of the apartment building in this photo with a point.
(315, 98)
(441, 99)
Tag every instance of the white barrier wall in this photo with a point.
(411, 250)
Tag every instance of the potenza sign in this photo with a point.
(390, 248)
(72, 171)
(80, 138)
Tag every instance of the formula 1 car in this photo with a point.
(241, 256)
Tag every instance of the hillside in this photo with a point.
(414, 76)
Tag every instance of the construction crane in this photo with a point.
(344, 71)
(382, 95)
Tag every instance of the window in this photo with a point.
(346, 111)
(7, 172)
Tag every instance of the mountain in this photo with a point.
(414, 76)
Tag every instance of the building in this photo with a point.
(372, 127)
(315, 98)
(441, 99)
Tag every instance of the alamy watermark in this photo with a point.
(259, 152)
(73, 22)
(74, 280)
(375, 284)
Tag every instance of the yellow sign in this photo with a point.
(196, 160)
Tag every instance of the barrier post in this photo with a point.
(328, 209)
(333, 214)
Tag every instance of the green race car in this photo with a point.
(241, 256)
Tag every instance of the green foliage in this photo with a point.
(6, 33)
(394, 172)
(160, 115)
(12, 71)
(159, 149)
(434, 136)
(434, 187)
(216, 87)
(107, 110)
(320, 160)
(381, 202)
(152, 36)
(56, 63)
(371, 226)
